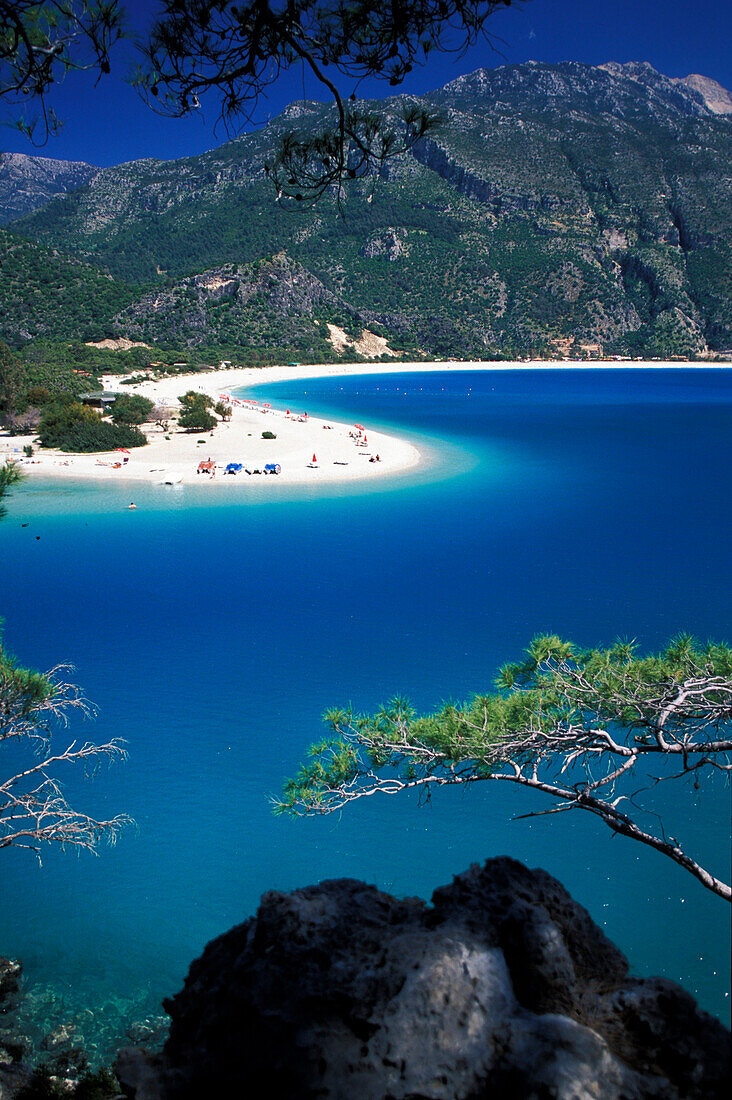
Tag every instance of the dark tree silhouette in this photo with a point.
(40, 42)
(238, 50)
(234, 52)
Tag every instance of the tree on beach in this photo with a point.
(195, 414)
(71, 426)
(131, 409)
(34, 810)
(582, 727)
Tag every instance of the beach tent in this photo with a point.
(272, 468)
(233, 468)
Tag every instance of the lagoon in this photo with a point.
(212, 633)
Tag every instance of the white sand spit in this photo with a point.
(308, 450)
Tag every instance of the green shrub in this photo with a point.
(131, 408)
(197, 419)
(27, 450)
(37, 395)
(195, 414)
(268, 435)
(71, 426)
(97, 1086)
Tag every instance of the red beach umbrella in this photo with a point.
(315, 458)
(360, 427)
(122, 450)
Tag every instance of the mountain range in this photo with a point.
(556, 207)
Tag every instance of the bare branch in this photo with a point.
(34, 810)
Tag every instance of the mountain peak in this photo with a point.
(27, 183)
(630, 90)
(717, 98)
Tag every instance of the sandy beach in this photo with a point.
(307, 449)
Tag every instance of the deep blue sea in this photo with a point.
(212, 629)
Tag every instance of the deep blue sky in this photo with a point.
(109, 124)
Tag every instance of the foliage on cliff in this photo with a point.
(34, 810)
(582, 727)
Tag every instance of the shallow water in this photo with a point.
(212, 630)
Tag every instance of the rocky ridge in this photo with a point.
(608, 185)
(29, 183)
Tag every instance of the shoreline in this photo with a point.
(172, 457)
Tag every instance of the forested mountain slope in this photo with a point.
(555, 202)
(44, 293)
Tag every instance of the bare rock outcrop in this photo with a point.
(503, 987)
(30, 183)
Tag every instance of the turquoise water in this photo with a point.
(212, 630)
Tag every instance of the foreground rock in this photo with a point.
(503, 987)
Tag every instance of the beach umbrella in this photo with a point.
(123, 450)
(287, 413)
(360, 427)
(266, 405)
(315, 458)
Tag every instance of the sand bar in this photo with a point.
(307, 449)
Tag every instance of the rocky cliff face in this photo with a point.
(228, 304)
(502, 987)
(717, 98)
(29, 183)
